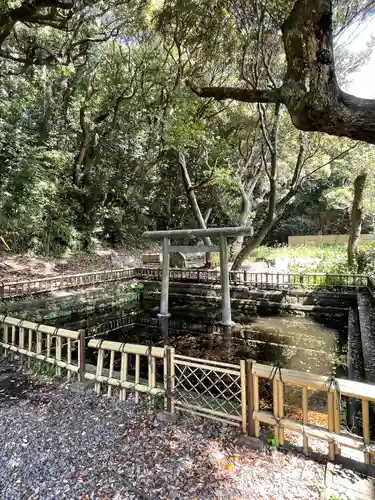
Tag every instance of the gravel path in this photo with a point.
(56, 444)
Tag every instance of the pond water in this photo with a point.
(295, 342)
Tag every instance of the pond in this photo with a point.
(294, 342)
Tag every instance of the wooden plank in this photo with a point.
(99, 370)
(21, 338)
(336, 419)
(178, 357)
(353, 442)
(250, 397)
(205, 415)
(42, 328)
(305, 416)
(30, 344)
(331, 423)
(143, 350)
(49, 345)
(58, 354)
(350, 388)
(212, 231)
(69, 357)
(280, 393)
(243, 396)
(110, 373)
(13, 338)
(41, 357)
(256, 404)
(124, 374)
(366, 429)
(208, 411)
(209, 367)
(194, 249)
(137, 375)
(275, 394)
(38, 342)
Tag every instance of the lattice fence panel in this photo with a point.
(210, 388)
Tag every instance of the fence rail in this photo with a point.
(334, 389)
(230, 393)
(265, 281)
(42, 343)
(127, 359)
(42, 285)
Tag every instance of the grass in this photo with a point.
(330, 258)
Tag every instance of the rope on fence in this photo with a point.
(333, 382)
(276, 369)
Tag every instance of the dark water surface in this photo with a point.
(295, 342)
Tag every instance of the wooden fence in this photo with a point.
(266, 281)
(126, 364)
(230, 393)
(43, 343)
(42, 285)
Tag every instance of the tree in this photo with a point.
(308, 87)
(356, 217)
(302, 159)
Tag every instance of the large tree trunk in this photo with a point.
(356, 218)
(193, 202)
(309, 89)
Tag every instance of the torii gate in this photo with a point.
(223, 233)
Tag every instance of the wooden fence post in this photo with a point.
(81, 355)
(170, 374)
(250, 398)
(331, 422)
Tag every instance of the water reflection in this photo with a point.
(295, 342)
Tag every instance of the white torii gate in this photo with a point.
(223, 233)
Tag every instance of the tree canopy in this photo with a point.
(121, 116)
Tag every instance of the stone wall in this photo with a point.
(326, 239)
(68, 302)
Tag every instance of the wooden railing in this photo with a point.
(334, 389)
(271, 281)
(42, 285)
(230, 393)
(126, 363)
(43, 343)
(266, 281)
(112, 325)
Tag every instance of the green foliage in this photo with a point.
(273, 441)
(332, 258)
(90, 115)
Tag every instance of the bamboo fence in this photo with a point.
(127, 357)
(225, 392)
(43, 343)
(230, 393)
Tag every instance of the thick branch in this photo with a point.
(310, 90)
(236, 93)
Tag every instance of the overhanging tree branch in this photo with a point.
(235, 93)
(309, 90)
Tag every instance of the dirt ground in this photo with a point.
(19, 267)
(56, 443)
